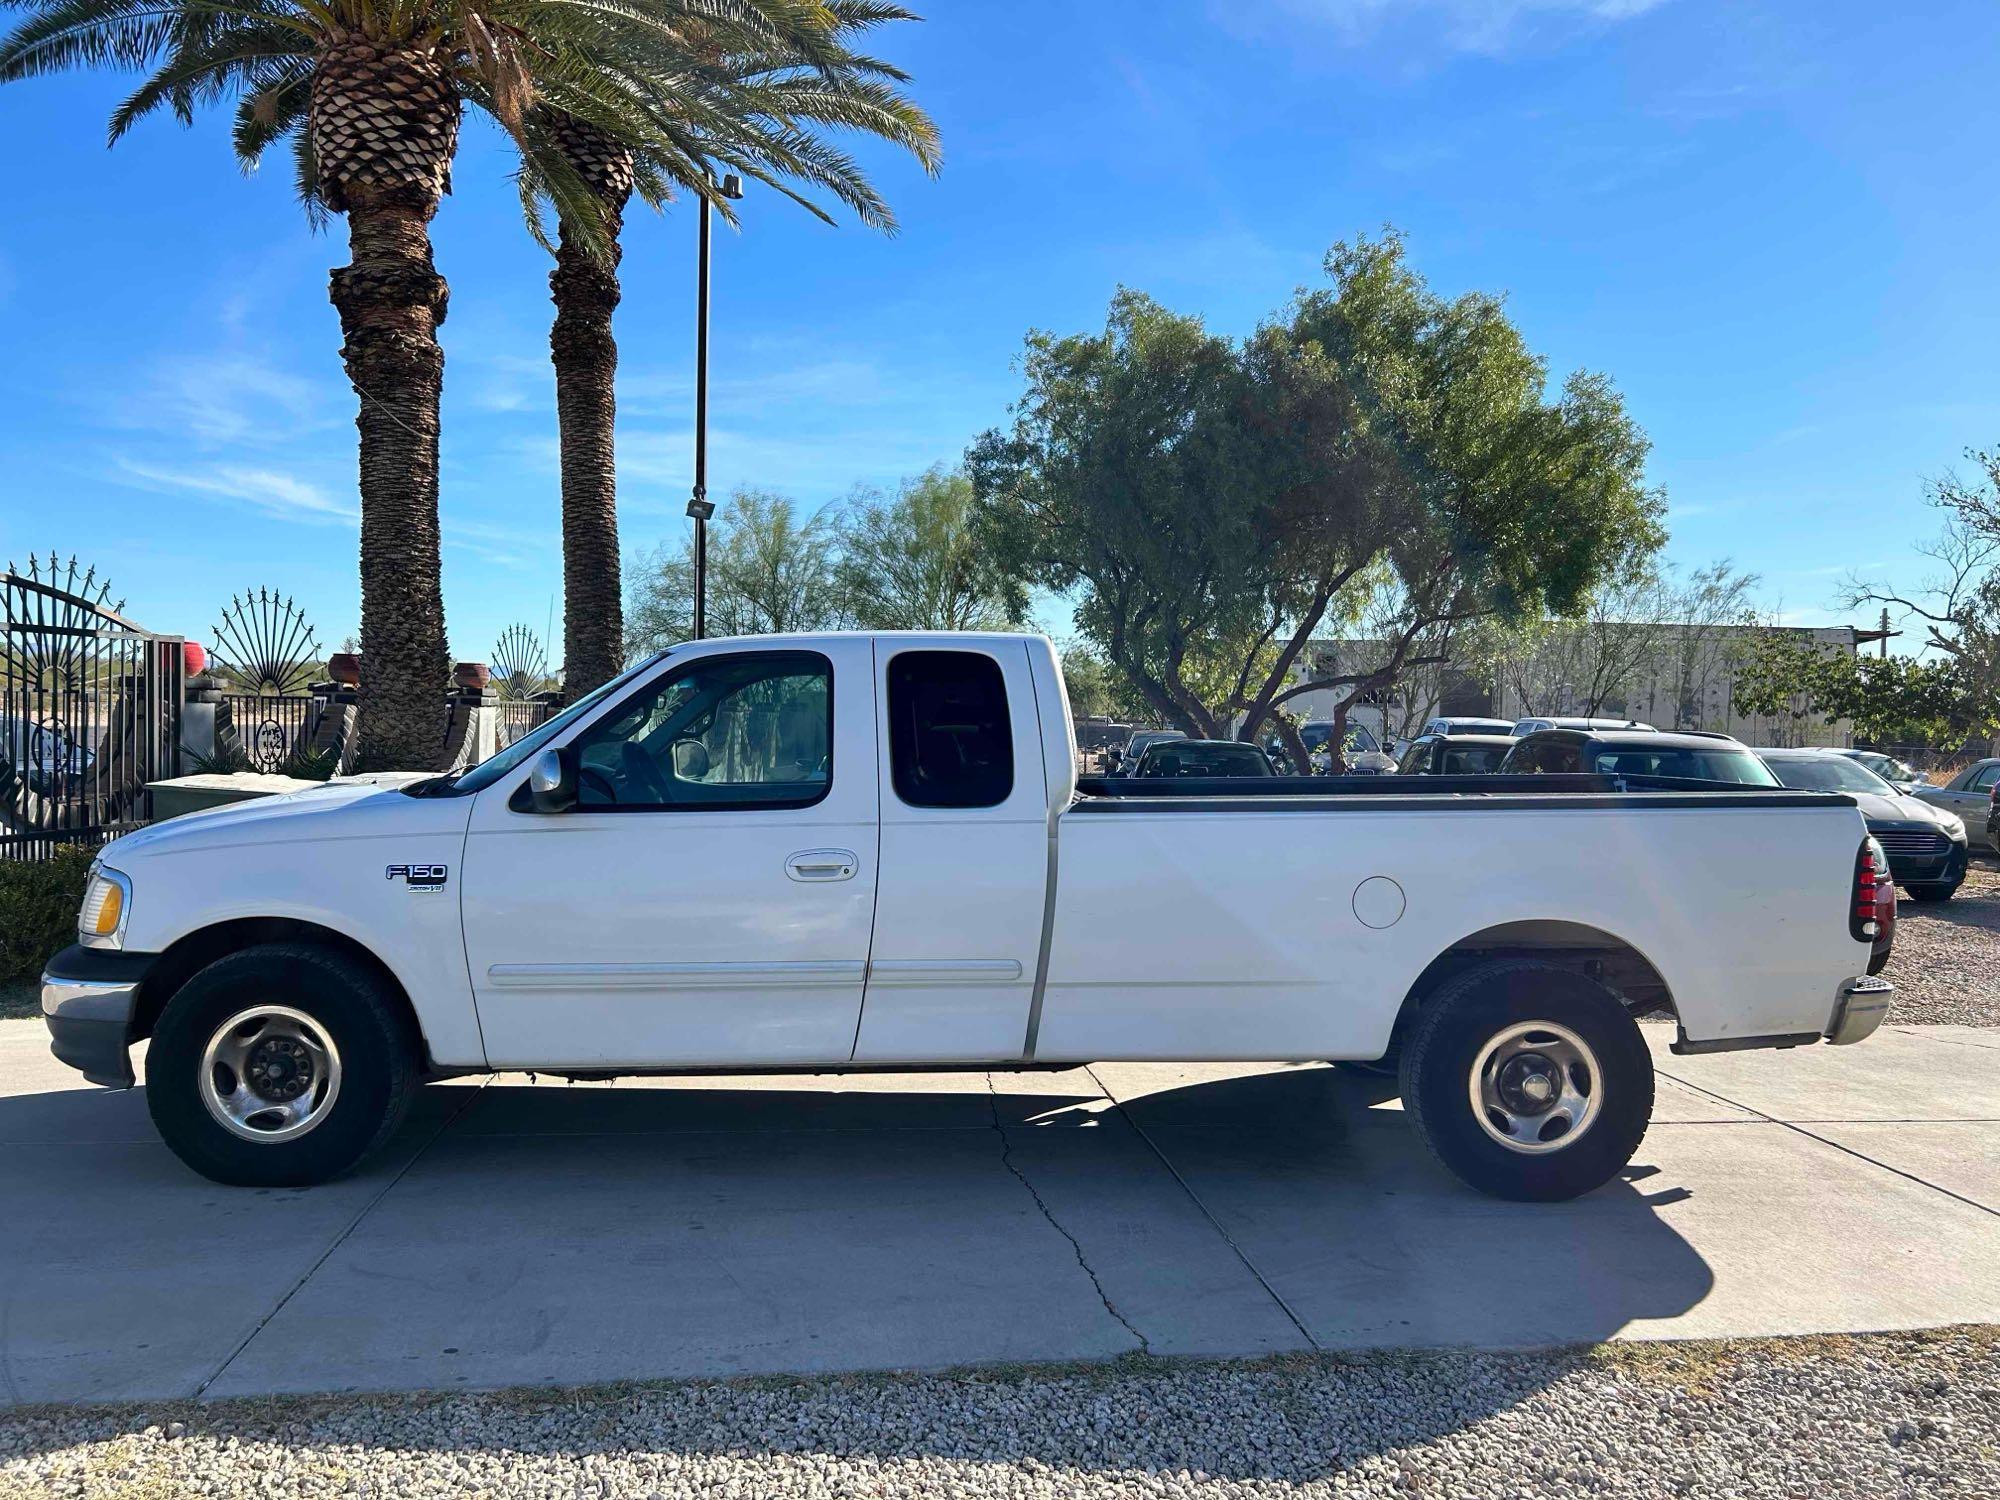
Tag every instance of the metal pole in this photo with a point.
(699, 510)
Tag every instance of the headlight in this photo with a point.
(1953, 826)
(107, 905)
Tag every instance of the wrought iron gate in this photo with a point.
(89, 712)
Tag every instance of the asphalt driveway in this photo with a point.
(526, 1232)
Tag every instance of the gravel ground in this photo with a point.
(1946, 967)
(1864, 1416)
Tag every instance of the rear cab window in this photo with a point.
(951, 740)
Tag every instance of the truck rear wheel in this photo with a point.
(1528, 1080)
(279, 1066)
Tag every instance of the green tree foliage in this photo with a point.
(911, 562)
(1891, 700)
(907, 561)
(1210, 505)
(770, 570)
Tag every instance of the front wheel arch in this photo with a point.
(187, 956)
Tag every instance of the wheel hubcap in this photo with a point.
(1535, 1087)
(270, 1074)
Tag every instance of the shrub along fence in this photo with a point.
(39, 899)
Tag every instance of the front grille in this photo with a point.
(1910, 843)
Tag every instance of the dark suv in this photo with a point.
(1693, 756)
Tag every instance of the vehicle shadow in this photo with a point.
(538, 1234)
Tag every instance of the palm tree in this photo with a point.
(742, 93)
(369, 92)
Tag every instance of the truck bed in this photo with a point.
(1418, 793)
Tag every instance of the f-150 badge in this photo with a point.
(421, 877)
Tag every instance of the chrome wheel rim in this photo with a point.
(270, 1074)
(1536, 1087)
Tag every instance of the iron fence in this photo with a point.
(516, 716)
(270, 728)
(90, 711)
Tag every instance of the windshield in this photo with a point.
(1826, 773)
(494, 767)
(1316, 736)
(1472, 760)
(1178, 758)
(1719, 764)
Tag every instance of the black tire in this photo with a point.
(1447, 1038)
(1939, 891)
(366, 1024)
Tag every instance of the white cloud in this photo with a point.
(220, 399)
(1483, 26)
(269, 492)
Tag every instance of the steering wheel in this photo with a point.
(639, 768)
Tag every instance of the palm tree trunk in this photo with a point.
(585, 291)
(391, 301)
(383, 128)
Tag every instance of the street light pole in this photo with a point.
(700, 507)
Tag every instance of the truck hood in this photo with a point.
(316, 812)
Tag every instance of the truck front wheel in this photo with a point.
(1528, 1080)
(278, 1066)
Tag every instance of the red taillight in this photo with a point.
(1868, 880)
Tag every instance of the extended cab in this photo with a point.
(850, 851)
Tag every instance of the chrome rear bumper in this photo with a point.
(1863, 1005)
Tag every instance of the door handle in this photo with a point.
(822, 864)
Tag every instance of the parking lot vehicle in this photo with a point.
(1900, 774)
(1530, 726)
(1360, 750)
(1686, 756)
(1925, 845)
(854, 851)
(1203, 758)
(1469, 726)
(1128, 758)
(1970, 794)
(1454, 754)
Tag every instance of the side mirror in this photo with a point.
(552, 781)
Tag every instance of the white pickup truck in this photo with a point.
(850, 851)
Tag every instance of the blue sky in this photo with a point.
(1772, 223)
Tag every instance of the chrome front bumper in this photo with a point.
(1863, 1005)
(88, 998)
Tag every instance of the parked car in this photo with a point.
(1361, 751)
(852, 851)
(1900, 774)
(1684, 755)
(1970, 795)
(1925, 844)
(1468, 726)
(1454, 754)
(1121, 762)
(1186, 757)
(1530, 726)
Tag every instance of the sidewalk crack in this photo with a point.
(340, 1239)
(1076, 1247)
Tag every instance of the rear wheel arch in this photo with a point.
(189, 955)
(1618, 965)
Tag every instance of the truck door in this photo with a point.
(965, 854)
(708, 898)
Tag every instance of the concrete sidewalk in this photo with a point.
(526, 1232)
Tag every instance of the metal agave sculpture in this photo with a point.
(52, 615)
(264, 642)
(520, 665)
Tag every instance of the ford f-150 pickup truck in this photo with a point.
(872, 851)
